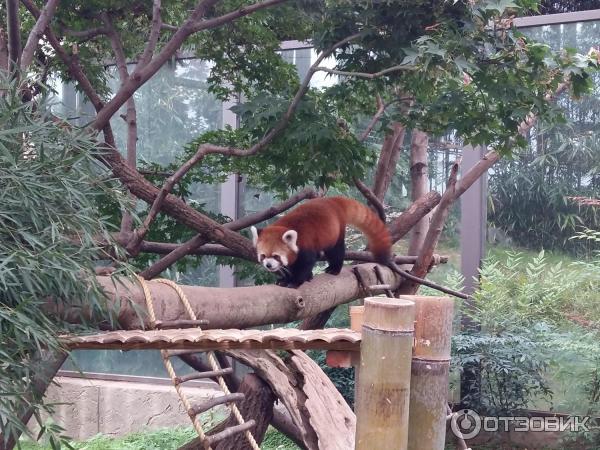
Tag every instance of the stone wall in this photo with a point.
(92, 406)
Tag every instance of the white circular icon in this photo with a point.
(466, 424)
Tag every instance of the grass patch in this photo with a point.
(164, 439)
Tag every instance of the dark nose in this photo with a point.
(268, 265)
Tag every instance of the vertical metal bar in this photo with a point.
(473, 220)
(229, 195)
(472, 247)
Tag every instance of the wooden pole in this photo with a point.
(429, 372)
(357, 315)
(384, 383)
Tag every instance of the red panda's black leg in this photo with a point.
(335, 257)
(301, 270)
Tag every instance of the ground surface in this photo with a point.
(168, 439)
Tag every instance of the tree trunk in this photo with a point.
(419, 181)
(257, 405)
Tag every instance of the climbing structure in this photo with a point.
(217, 372)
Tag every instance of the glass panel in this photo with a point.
(532, 209)
(173, 108)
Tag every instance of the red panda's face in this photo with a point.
(275, 247)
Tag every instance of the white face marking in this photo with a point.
(271, 264)
(290, 237)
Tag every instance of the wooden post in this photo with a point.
(429, 373)
(357, 315)
(384, 383)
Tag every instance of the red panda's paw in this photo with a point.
(282, 283)
(333, 270)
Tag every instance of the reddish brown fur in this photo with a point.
(321, 223)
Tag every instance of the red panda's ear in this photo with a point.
(255, 233)
(290, 237)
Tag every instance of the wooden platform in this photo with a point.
(204, 340)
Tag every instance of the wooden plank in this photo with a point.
(205, 340)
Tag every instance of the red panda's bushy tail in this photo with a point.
(378, 235)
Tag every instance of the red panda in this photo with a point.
(293, 243)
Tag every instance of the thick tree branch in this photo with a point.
(240, 307)
(386, 166)
(37, 32)
(70, 61)
(130, 115)
(137, 184)
(371, 198)
(14, 33)
(154, 34)
(422, 265)
(400, 226)
(193, 24)
(188, 247)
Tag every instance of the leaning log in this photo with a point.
(257, 405)
(317, 409)
(240, 307)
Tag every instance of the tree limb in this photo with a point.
(240, 307)
(154, 34)
(188, 247)
(14, 33)
(37, 32)
(193, 24)
(386, 165)
(400, 226)
(370, 76)
(130, 115)
(421, 266)
(378, 113)
(371, 198)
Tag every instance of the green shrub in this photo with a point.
(538, 345)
